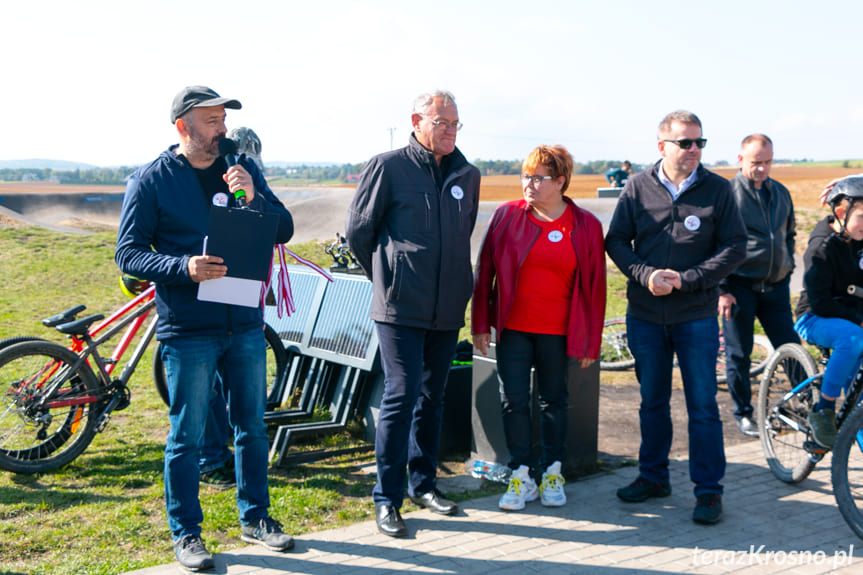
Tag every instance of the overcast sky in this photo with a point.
(324, 81)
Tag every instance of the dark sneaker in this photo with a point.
(643, 489)
(708, 509)
(224, 477)
(823, 426)
(267, 532)
(192, 554)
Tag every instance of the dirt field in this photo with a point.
(804, 184)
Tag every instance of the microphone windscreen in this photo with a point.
(227, 146)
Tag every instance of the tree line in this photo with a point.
(301, 173)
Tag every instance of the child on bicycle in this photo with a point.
(827, 315)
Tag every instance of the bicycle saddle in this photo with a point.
(79, 327)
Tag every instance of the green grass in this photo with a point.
(830, 164)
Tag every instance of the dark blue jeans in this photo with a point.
(696, 344)
(416, 364)
(773, 310)
(517, 352)
(191, 364)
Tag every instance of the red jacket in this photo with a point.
(508, 239)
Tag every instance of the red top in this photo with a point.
(508, 239)
(543, 292)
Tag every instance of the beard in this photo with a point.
(200, 146)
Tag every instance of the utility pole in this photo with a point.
(391, 130)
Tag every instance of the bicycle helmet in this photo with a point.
(850, 187)
(132, 286)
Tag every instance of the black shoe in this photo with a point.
(708, 510)
(224, 477)
(192, 554)
(434, 501)
(390, 521)
(642, 489)
(747, 426)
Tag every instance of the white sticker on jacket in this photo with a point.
(220, 199)
(457, 192)
(555, 236)
(860, 263)
(692, 223)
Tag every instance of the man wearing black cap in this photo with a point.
(164, 220)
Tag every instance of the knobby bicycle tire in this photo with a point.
(846, 471)
(277, 363)
(614, 354)
(782, 443)
(34, 437)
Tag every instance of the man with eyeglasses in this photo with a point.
(676, 233)
(409, 226)
(760, 287)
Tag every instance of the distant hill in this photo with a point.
(60, 165)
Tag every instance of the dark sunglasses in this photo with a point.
(685, 144)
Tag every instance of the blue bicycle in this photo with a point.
(789, 389)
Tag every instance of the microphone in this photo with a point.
(228, 148)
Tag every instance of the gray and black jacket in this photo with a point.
(700, 235)
(770, 231)
(409, 226)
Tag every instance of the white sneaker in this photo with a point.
(521, 489)
(551, 488)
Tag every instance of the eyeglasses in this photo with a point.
(437, 124)
(686, 143)
(536, 180)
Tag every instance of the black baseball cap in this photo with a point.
(199, 97)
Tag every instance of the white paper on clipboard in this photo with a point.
(233, 291)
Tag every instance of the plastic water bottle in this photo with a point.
(490, 471)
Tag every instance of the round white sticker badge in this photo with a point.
(555, 236)
(860, 263)
(692, 223)
(220, 199)
(457, 192)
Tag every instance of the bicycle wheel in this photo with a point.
(782, 422)
(614, 354)
(761, 350)
(277, 362)
(39, 433)
(847, 471)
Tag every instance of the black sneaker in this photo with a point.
(267, 532)
(643, 489)
(708, 510)
(224, 477)
(192, 554)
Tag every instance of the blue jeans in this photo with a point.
(191, 365)
(517, 352)
(215, 452)
(773, 310)
(845, 338)
(696, 343)
(416, 364)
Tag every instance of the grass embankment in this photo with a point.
(104, 512)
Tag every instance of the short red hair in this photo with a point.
(556, 159)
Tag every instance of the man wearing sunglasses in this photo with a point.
(760, 287)
(676, 233)
(409, 226)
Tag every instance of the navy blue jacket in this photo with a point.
(164, 220)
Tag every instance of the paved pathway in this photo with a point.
(768, 527)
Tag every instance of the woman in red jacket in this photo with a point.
(540, 282)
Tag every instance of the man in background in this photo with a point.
(760, 286)
(618, 176)
(409, 226)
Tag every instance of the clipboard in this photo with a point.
(244, 239)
